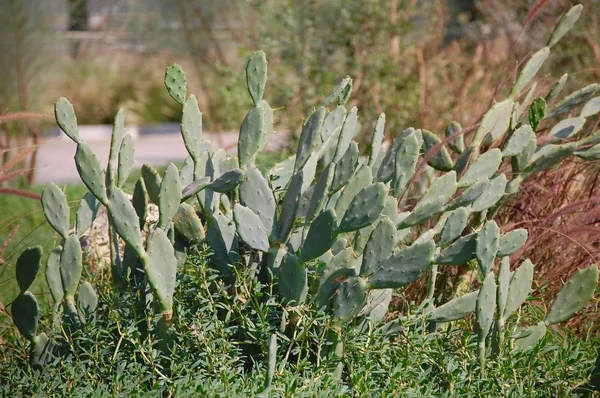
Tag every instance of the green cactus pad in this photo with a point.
(566, 128)
(221, 237)
(345, 167)
(124, 219)
(457, 144)
(42, 351)
(423, 210)
(590, 154)
(170, 196)
(293, 282)
(460, 252)
(340, 92)
(309, 138)
(361, 179)
(26, 314)
(445, 185)
(520, 161)
(66, 119)
(161, 269)
(321, 236)
(256, 75)
(484, 167)
(126, 157)
(518, 141)
(332, 125)
(519, 288)
(53, 275)
(275, 257)
(152, 180)
(289, 207)
(346, 134)
(403, 267)
(186, 173)
(87, 301)
(455, 224)
(529, 71)
(194, 188)
(336, 271)
(405, 164)
(257, 196)
(386, 164)
(547, 157)
(565, 24)
(441, 160)
(91, 171)
(250, 228)
(71, 266)
(86, 213)
(494, 123)
(251, 131)
(488, 240)
(175, 83)
(512, 241)
(188, 224)
(377, 305)
(365, 208)
(191, 127)
(267, 128)
(486, 306)
(139, 201)
(502, 292)
(574, 295)
(227, 181)
(591, 108)
(377, 139)
(56, 209)
(379, 246)
(116, 141)
(309, 171)
(468, 196)
(349, 299)
(27, 267)
(556, 88)
(493, 193)
(320, 193)
(530, 336)
(453, 310)
(573, 100)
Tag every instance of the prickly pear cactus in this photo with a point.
(377, 222)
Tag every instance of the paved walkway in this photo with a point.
(55, 156)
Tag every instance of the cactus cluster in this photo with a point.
(333, 204)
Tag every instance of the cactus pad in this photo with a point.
(56, 209)
(176, 83)
(256, 75)
(66, 119)
(321, 236)
(26, 314)
(27, 267)
(574, 295)
(365, 208)
(250, 228)
(403, 267)
(519, 288)
(488, 240)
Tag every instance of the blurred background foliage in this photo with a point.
(422, 62)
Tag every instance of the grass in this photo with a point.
(222, 334)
